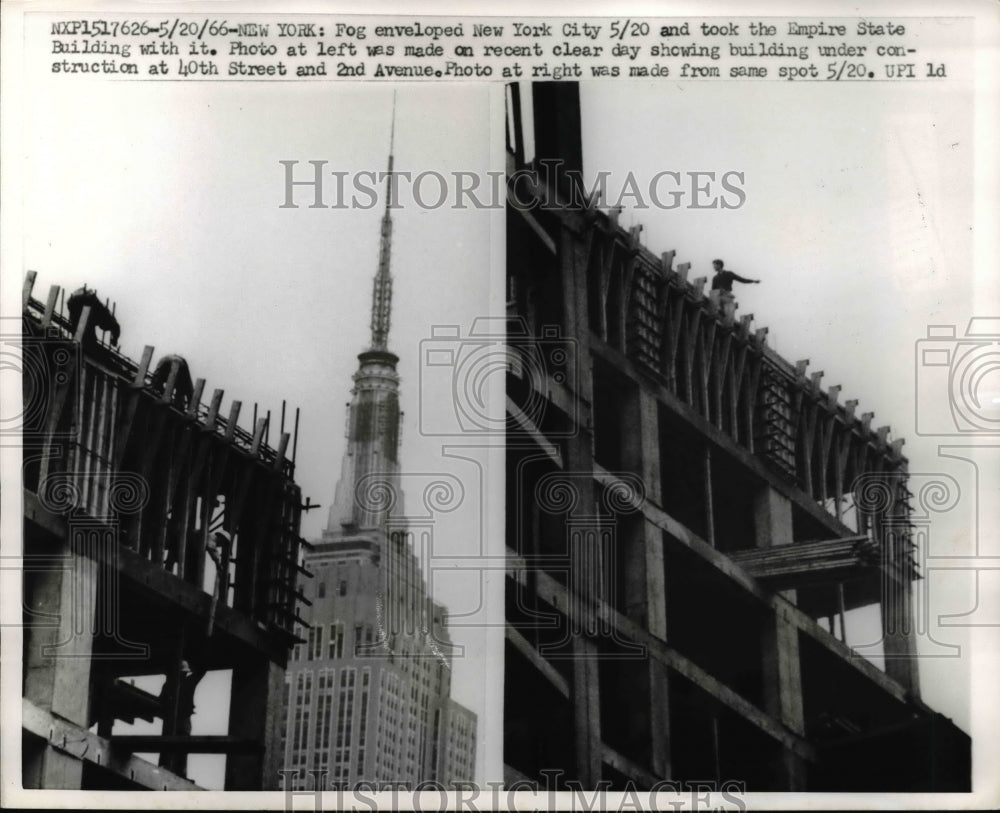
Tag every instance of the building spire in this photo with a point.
(382, 288)
(370, 468)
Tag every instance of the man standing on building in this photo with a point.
(100, 316)
(723, 280)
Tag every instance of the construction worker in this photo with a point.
(183, 388)
(723, 280)
(179, 689)
(100, 316)
(185, 687)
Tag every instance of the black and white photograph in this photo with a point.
(276, 552)
(725, 565)
(499, 408)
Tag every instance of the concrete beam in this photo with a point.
(548, 671)
(639, 775)
(557, 595)
(529, 428)
(185, 744)
(680, 534)
(535, 226)
(80, 745)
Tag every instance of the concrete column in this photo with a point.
(176, 762)
(892, 527)
(772, 519)
(655, 587)
(586, 711)
(573, 261)
(898, 629)
(783, 690)
(645, 690)
(585, 687)
(255, 714)
(58, 651)
(780, 639)
(640, 551)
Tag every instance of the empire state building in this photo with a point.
(367, 695)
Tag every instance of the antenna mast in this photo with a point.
(382, 288)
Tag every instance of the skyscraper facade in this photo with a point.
(367, 696)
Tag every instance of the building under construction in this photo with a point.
(160, 539)
(689, 518)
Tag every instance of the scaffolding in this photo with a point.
(160, 539)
